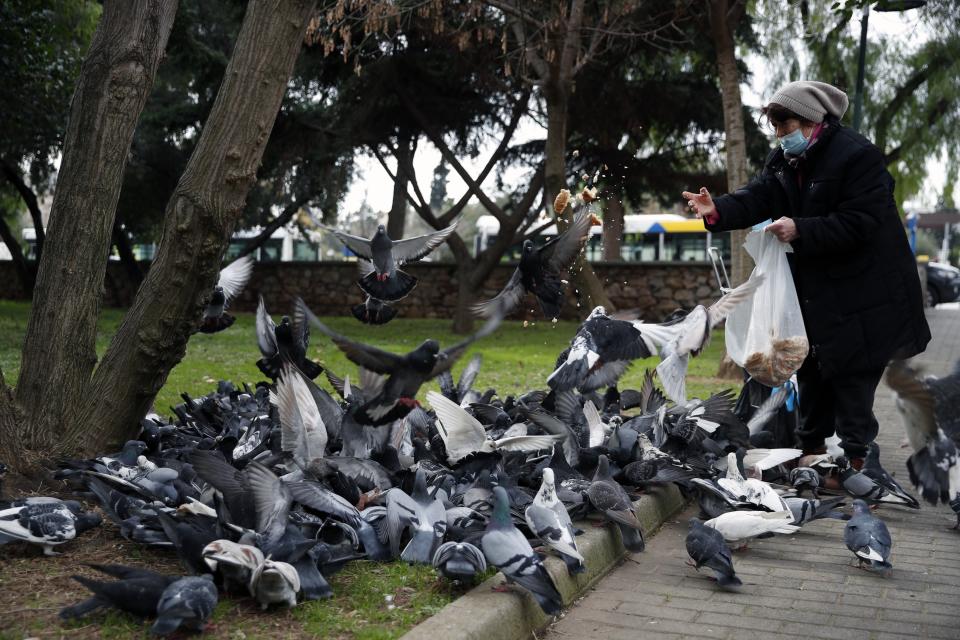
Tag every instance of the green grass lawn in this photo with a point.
(517, 358)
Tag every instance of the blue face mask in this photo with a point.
(794, 143)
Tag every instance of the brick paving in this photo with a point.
(800, 586)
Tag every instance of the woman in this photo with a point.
(828, 191)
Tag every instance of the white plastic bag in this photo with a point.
(766, 335)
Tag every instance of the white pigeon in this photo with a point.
(750, 490)
(302, 432)
(763, 459)
(680, 339)
(463, 434)
(235, 562)
(736, 526)
(549, 521)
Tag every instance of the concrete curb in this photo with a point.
(483, 614)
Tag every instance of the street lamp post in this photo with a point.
(883, 5)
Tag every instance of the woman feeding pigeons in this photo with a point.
(829, 194)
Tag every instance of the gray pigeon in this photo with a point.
(802, 478)
(508, 550)
(46, 522)
(860, 485)
(868, 538)
(610, 499)
(706, 547)
(459, 561)
(189, 602)
(386, 281)
(275, 583)
(805, 510)
(873, 470)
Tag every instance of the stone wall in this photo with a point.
(329, 287)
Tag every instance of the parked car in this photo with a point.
(943, 283)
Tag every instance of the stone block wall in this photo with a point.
(329, 288)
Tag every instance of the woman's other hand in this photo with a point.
(701, 203)
(784, 228)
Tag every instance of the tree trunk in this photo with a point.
(13, 176)
(24, 268)
(115, 80)
(397, 220)
(723, 17)
(11, 420)
(590, 290)
(199, 221)
(613, 227)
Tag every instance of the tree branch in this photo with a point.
(30, 199)
(933, 116)
(24, 269)
(282, 218)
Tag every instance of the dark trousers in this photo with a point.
(841, 404)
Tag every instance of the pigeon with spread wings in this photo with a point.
(541, 272)
(404, 373)
(233, 278)
(386, 281)
(284, 342)
(688, 336)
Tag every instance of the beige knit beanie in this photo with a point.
(811, 99)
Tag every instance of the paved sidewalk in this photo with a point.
(800, 586)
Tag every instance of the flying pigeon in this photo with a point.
(924, 406)
(233, 278)
(189, 601)
(286, 342)
(459, 561)
(508, 550)
(688, 336)
(868, 538)
(386, 281)
(706, 547)
(302, 431)
(599, 353)
(549, 521)
(405, 374)
(373, 311)
(541, 272)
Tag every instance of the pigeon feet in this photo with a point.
(502, 588)
(409, 402)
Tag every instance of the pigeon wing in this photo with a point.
(234, 277)
(266, 336)
(411, 249)
(270, 497)
(720, 309)
(462, 433)
(361, 354)
(359, 246)
(506, 301)
(447, 357)
(562, 250)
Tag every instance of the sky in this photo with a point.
(374, 186)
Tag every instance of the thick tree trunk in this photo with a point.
(397, 220)
(590, 290)
(115, 80)
(24, 268)
(613, 227)
(11, 419)
(724, 15)
(12, 174)
(199, 221)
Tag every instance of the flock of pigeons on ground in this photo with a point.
(267, 491)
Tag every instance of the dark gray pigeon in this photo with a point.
(459, 561)
(404, 373)
(136, 591)
(508, 550)
(284, 342)
(706, 547)
(859, 485)
(868, 538)
(386, 281)
(804, 478)
(189, 602)
(610, 499)
(373, 311)
(541, 272)
(873, 470)
(805, 510)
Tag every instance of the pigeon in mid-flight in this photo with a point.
(927, 407)
(403, 374)
(373, 311)
(233, 278)
(599, 354)
(386, 281)
(868, 538)
(687, 336)
(541, 271)
(284, 342)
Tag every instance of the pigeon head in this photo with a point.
(501, 507)
(597, 312)
(860, 508)
(528, 247)
(425, 355)
(87, 520)
(873, 452)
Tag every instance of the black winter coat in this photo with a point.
(855, 274)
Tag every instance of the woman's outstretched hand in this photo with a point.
(701, 203)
